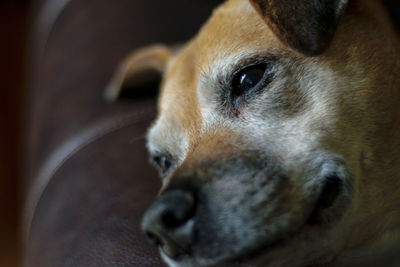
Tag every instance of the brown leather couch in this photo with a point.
(87, 176)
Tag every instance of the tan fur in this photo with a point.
(346, 102)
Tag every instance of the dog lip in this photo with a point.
(331, 195)
(176, 254)
(251, 257)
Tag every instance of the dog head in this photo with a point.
(277, 135)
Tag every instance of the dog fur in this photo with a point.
(330, 108)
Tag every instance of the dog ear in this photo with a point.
(142, 66)
(305, 25)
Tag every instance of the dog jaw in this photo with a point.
(315, 113)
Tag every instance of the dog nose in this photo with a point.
(169, 221)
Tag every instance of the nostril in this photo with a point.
(171, 220)
(180, 209)
(154, 239)
(168, 223)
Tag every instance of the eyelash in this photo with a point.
(227, 98)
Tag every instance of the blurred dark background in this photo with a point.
(13, 29)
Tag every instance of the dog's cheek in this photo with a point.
(289, 94)
(307, 104)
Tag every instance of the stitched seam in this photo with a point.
(47, 18)
(63, 153)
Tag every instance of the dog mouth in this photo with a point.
(326, 205)
(325, 208)
(328, 208)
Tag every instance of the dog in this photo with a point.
(278, 137)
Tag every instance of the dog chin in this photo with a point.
(272, 255)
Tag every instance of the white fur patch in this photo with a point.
(166, 137)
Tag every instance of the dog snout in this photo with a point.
(169, 221)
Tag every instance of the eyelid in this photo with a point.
(224, 80)
(235, 101)
(237, 78)
(252, 61)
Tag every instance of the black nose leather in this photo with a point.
(169, 222)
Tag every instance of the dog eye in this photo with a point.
(163, 163)
(248, 79)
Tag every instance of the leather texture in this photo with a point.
(87, 177)
(90, 212)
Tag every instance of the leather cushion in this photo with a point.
(89, 213)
